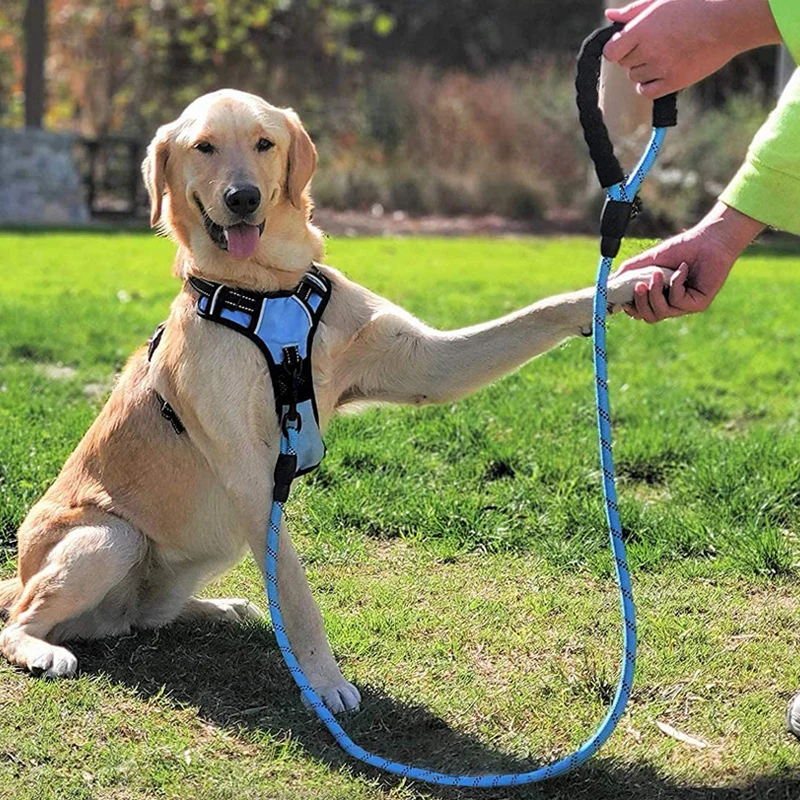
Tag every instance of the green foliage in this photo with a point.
(126, 65)
(10, 63)
(478, 34)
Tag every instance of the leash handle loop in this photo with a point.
(665, 109)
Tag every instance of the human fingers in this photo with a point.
(678, 296)
(645, 73)
(633, 58)
(641, 299)
(669, 254)
(629, 12)
(646, 259)
(658, 300)
(654, 89)
(688, 298)
(620, 45)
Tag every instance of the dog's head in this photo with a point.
(229, 174)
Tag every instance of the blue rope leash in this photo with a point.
(624, 192)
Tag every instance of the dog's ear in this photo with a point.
(154, 170)
(302, 160)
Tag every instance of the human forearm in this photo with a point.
(702, 257)
(752, 24)
(730, 229)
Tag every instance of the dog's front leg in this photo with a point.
(395, 358)
(305, 627)
(246, 474)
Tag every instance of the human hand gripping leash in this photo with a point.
(621, 193)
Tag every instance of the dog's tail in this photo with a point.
(10, 590)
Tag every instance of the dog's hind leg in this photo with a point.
(75, 577)
(234, 609)
(10, 590)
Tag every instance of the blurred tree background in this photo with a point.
(437, 106)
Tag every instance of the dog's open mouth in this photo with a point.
(240, 240)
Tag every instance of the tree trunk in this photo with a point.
(35, 27)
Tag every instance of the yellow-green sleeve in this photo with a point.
(787, 16)
(767, 187)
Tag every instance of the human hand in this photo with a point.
(702, 257)
(668, 45)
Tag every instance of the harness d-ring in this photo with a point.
(621, 194)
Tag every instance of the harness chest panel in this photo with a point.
(282, 325)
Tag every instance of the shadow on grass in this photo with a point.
(236, 678)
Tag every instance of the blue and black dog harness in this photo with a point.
(282, 325)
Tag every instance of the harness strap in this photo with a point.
(167, 411)
(220, 297)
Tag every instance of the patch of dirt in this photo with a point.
(380, 223)
(97, 392)
(56, 372)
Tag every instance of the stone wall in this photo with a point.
(39, 180)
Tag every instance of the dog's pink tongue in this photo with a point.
(242, 240)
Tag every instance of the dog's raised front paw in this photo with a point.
(620, 288)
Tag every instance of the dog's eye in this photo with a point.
(263, 145)
(205, 147)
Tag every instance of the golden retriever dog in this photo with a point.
(140, 519)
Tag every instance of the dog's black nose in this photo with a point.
(242, 199)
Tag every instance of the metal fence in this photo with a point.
(110, 168)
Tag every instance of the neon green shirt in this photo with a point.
(767, 187)
(787, 17)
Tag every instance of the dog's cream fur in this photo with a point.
(140, 518)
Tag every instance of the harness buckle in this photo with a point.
(292, 421)
(168, 412)
(293, 366)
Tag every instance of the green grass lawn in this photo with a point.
(459, 553)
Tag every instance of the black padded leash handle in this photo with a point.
(587, 84)
(665, 111)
